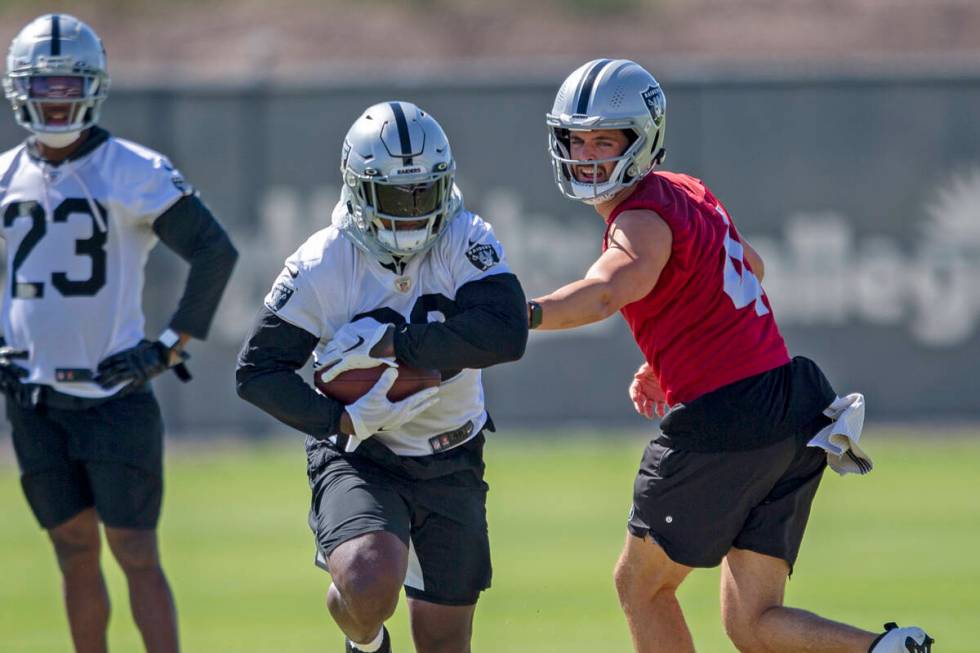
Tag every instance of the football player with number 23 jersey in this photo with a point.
(404, 275)
(81, 211)
(730, 478)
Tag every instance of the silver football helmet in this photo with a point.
(607, 94)
(60, 51)
(398, 173)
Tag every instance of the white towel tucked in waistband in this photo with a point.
(840, 439)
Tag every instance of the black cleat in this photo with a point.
(385, 644)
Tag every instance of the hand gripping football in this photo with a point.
(351, 385)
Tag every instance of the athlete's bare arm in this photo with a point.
(755, 261)
(639, 246)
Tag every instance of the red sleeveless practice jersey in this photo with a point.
(707, 322)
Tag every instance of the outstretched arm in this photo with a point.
(639, 247)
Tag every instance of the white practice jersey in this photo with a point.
(78, 236)
(329, 282)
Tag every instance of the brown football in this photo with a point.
(351, 385)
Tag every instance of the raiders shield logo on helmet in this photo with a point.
(656, 102)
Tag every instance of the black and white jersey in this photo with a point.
(329, 282)
(78, 235)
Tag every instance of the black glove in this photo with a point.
(137, 364)
(10, 372)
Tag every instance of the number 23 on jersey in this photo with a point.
(92, 247)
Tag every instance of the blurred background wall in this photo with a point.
(842, 135)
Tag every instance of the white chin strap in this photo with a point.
(403, 241)
(57, 139)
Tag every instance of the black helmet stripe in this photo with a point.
(403, 134)
(55, 35)
(587, 87)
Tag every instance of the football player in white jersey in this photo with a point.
(81, 211)
(404, 274)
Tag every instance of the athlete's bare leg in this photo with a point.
(368, 572)
(441, 628)
(752, 588)
(150, 599)
(647, 581)
(76, 545)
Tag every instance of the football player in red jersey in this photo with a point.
(729, 479)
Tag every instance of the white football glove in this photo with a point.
(374, 412)
(902, 640)
(350, 349)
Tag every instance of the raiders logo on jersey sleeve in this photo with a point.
(483, 256)
(177, 179)
(283, 289)
(279, 296)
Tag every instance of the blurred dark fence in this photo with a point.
(862, 193)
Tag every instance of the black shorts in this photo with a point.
(435, 504)
(109, 455)
(698, 497)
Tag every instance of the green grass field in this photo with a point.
(900, 544)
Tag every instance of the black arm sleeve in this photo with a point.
(189, 229)
(266, 377)
(490, 328)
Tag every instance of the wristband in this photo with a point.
(169, 338)
(534, 314)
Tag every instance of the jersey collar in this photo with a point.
(96, 137)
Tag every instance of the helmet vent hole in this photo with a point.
(617, 98)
